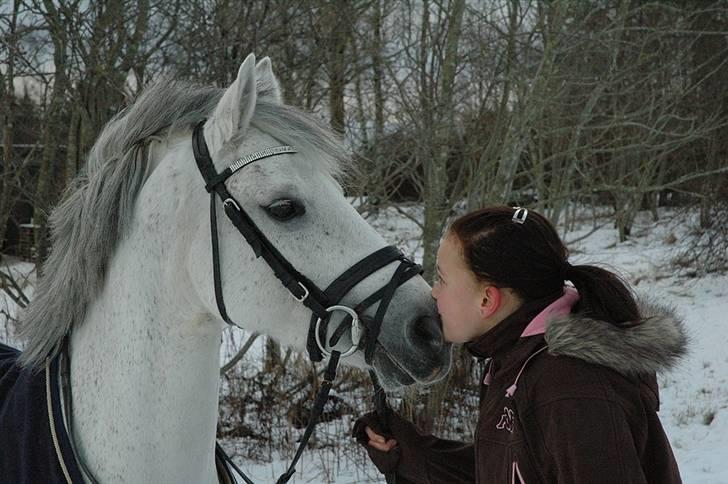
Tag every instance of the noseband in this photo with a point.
(322, 303)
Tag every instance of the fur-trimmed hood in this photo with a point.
(657, 344)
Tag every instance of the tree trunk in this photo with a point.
(7, 83)
(73, 155)
(436, 177)
(377, 70)
(437, 204)
(362, 118)
(339, 20)
(530, 107)
(480, 186)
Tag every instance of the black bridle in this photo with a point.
(322, 303)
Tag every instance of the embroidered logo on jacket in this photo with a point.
(506, 420)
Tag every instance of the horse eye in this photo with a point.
(284, 210)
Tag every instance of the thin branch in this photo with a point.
(240, 354)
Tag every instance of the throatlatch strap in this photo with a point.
(216, 272)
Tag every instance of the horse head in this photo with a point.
(296, 201)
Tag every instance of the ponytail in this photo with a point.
(604, 295)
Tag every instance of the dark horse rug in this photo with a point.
(35, 446)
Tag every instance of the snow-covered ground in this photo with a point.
(694, 397)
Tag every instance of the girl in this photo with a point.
(569, 393)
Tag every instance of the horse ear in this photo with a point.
(235, 109)
(268, 87)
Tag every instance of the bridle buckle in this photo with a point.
(305, 293)
(230, 201)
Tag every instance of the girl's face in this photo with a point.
(460, 296)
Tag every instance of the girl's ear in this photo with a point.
(491, 301)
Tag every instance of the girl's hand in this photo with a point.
(379, 442)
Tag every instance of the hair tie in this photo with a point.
(520, 214)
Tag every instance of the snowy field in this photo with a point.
(694, 397)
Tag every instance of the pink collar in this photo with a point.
(561, 307)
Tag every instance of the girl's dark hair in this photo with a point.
(531, 259)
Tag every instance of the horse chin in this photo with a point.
(394, 376)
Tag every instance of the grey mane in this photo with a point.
(98, 205)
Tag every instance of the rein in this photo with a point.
(322, 303)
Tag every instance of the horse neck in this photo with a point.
(144, 374)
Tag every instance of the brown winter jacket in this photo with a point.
(577, 404)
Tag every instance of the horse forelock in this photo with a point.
(98, 205)
(306, 133)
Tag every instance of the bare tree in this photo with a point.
(15, 27)
(596, 99)
(427, 90)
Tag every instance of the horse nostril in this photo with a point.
(425, 332)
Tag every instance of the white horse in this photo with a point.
(130, 275)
